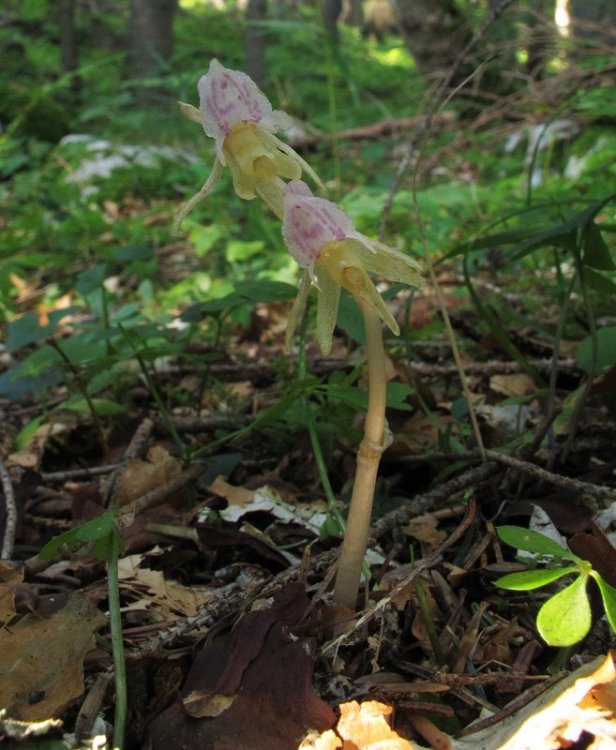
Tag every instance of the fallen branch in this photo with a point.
(377, 130)
(8, 543)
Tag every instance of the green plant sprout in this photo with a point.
(101, 537)
(565, 618)
(324, 242)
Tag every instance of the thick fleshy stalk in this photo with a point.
(368, 458)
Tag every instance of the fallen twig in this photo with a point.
(65, 476)
(8, 542)
(567, 483)
(428, 500)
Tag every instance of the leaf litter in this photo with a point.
(435, 658)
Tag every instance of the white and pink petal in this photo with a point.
(228, 97)
(310, 223)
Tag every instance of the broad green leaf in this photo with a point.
(28, 330)
(566, 618)
(92, 279)
(239, 250)
(608, 594)
(397, 395)
(203, 238)
(527, 580)
(266, 290)
(350, 318)
(532, 541)
(606, 345)
(133, 252)
(599, 282)
(200, 310)
(92, 533)
(596, 252)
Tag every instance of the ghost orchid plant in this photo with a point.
(242, 122)
(322, 239)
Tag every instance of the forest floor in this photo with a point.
(230, 635)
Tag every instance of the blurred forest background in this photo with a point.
(477, 135)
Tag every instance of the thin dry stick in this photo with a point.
(568, 483)
(369, 455)
(150, 499)
(8, 543)
(427, 501)
(65, 476)
(134, 449)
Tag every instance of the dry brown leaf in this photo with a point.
(328, 740)
(418, 434)
(10, 577)
(43, 657)
(141, 477)
(518, 384)
(424, 528)
(250, 688)
(233, 495)
(557, 717)
(366, 726)
(168, 598)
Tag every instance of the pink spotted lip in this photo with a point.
(228, 97)
(309, 223)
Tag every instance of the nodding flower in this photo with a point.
(322, 239)
(242, 122)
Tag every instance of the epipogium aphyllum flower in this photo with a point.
(242, 122)
(323, 240)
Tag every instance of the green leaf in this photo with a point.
(95, 535)
(266, 290)
(239, 250)
(350, 318)
(92, 279)
(606, 345)
(133, 252)
(102, 406)
(397, 395)
(26, 435)
(599, 282)
(196, 312)
(608, 594)
(203, 238)
(526, 580)
(596, 252)
(532, 541)
(28, 330)
(566, 618)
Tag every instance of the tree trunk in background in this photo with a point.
(542, 37)
(352, 13)
(435, 32)
(594, 19)
(69, 60)
(254, 42)
(151, 44)
(331, 13)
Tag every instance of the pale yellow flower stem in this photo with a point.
(368, 457)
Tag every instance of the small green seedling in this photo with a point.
(101, 537)
(565, 618)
